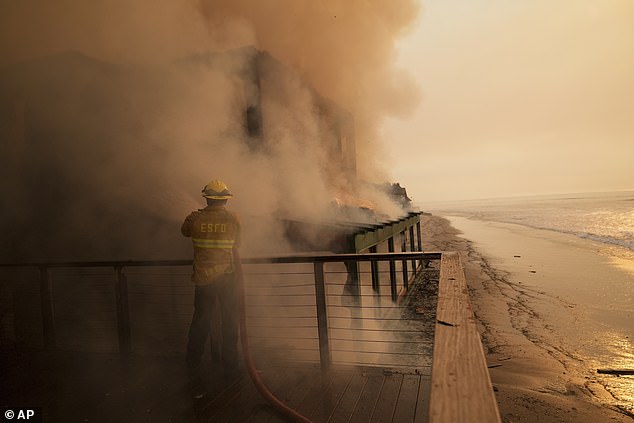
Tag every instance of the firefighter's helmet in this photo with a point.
(216, 190)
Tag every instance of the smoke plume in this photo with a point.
(112, 118)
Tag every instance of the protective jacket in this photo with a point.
(215, 232)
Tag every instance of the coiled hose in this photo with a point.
(253, 373)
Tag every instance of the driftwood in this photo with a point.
(618, 372)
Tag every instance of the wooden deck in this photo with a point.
(150, 387)
(102, 388)
(344, 395)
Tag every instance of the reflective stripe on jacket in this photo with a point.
(213, 243)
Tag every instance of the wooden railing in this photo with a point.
(461, 389)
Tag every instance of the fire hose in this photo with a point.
(253, 373)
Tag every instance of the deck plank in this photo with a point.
(367, 400)
(406, 404)
(241, 406)
(319, 406)
(344, 409)
(216, 401)
(386, 403)
(273, 379)
(422, 402)
(295, 391)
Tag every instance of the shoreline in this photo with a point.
(534, 381)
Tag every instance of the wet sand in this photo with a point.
(539, 340)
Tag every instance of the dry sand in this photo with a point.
(532, 383)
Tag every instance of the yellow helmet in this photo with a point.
(216, 190)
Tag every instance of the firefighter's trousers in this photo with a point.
(221, 293)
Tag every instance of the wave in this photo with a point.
(629, 244)
(604, 239)
(625, 243)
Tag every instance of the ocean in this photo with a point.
(606, 217)
(573, 258)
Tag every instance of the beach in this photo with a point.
(545, 329)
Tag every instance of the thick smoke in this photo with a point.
(115, 139)
(345, 49)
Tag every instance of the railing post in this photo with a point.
(322, 316)
(123, 311)
(420, 241)
(412, 246)
(352, 281)
(404, 262)
(374, 266)
(390, 248)
(46, 298)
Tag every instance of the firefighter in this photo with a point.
(215, 233)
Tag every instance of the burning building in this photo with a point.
(259, 78)
(101, 159)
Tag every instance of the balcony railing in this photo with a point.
(325, 295)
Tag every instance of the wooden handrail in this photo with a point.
(461, 389)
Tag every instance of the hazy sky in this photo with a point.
(519, 97)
